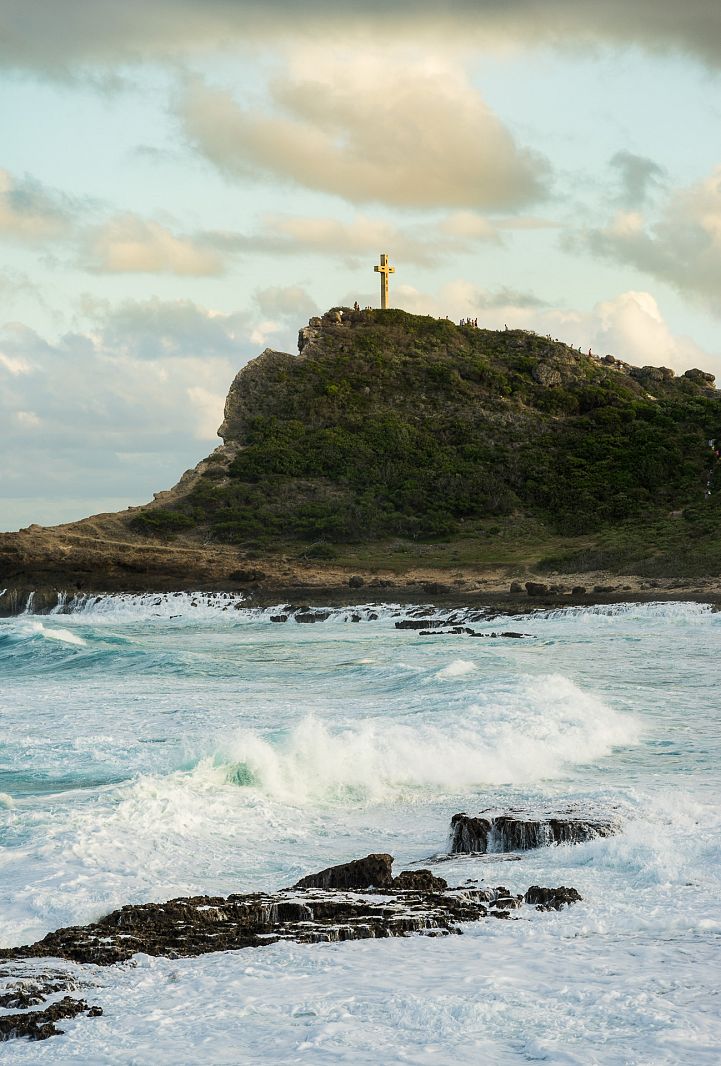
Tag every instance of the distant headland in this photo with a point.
(410, 457)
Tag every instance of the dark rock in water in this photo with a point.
(279, 618)
(519, 832)
(374, 871)
(202, 924)
(468, 632)
(40, 1024)
(311, 616)
(421, 623)
(420, 881)
(550, 899)
(536, 588)
(507, 903)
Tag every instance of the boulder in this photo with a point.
(419, 881)
(701, 377)
(536, 588)
(356, 582)
(551, 899)
(372, 871)
(516, 587)
(546, 375)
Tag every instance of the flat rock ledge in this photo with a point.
(513, 831)
(359, 900)
(414, 902)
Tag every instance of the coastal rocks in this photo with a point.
(536, 588)
(419, 881)
(415, 902)
(468, 632)
(356, 582)
(550, 899)
(309, 616)
(519, 832)
(39, 1024)
(372, 871)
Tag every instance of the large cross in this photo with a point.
(384, 270)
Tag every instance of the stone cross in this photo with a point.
(384, 270)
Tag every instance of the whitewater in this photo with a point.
(161, 746)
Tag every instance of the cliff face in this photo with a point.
(409, 434)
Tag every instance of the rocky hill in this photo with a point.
(395, 439)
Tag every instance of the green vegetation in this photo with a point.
(394, 427)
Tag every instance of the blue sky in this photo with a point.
(183, 184)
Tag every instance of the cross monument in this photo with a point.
(384, 270)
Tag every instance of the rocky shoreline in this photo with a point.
(312, 599)
(359, 900)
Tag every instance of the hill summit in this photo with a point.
(391, 425)
(394, 441)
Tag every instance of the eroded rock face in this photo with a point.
(374, 871)
(249, 392)
(518, 832)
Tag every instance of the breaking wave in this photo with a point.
(539, 731)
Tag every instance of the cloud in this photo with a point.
(105, 33)
(118, 409)
(157, 329)
(285, 301)
(681, 247)
(416, 135)
(14, 364)
(424, 242)
(31, 212)
(638, 177)
(128, 244)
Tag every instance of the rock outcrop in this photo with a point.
(374, 871)
(516, 831)
(357, 900)
(414, 902)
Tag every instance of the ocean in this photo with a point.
(160, 746)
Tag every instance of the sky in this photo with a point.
(184, 182)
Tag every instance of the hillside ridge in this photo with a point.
(400, 441)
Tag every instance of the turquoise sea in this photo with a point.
(159, 746)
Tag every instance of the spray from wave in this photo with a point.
(538, 731)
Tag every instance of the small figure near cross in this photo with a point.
(384, 270)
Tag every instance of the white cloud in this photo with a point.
(133, 245)
(413, 135)
(119, 409)
(682, 246)
(14, 364)
(286, 300)
(27, 419)
(31, 212)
